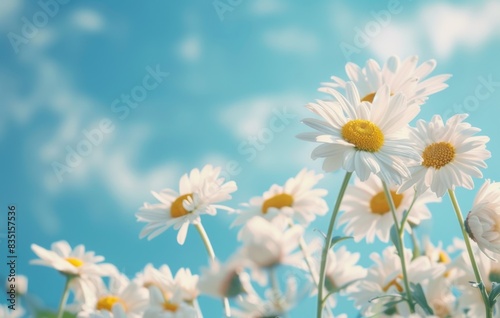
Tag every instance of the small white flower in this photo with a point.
(295, 202)
(483, 221)
(367, 213)
(84, 268)
(401, 77)
(265, 246)
(451, 155)
(222, 281)
(198, 194)
(368, 138)
(385, 278)
(174, 307)
(122, 299)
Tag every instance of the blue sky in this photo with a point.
(228, 74)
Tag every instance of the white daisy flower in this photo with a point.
(363, 137)
(385, 278)
(451, 155)
(198, 193)
(441, 299)
(401, 77)
(6, 312)
(84, 268)
(295, 202)
(489, 270)
(265, 246)
(483, 221)
(17, 284)
(184, 283)
(438, 255)
(174, 307)
(367, 213)
(223, 280)
(252, 306)
(122, 299)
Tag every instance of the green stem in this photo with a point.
(211, 255)
(477, 274)
(400, 247)
(416, 245)
(328, 242)
(407, 214)
(64, 297)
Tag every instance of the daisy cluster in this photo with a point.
(365, 127)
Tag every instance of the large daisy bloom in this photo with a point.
(483, 221)
(122, 299)
(401, 77)
(451, 155)
(385, 278)
(297, 201)
(367, 213)
(198, 194)
(266, 245)
(368, 138)
(84, 267)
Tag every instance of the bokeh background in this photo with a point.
(232, 66)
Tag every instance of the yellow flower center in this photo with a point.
(438, 154)
(168, 306)
(368, 98)
(443, 258)
(364, 134)
(107, 303)
(177, 208)
(74, 261)
(379, 204)
(278, 201)
(394, 283)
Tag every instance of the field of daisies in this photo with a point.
(394, 164)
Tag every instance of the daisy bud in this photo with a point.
(483, 222)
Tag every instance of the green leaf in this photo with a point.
(495, 292)
(337, 239)
(395, 239)
(50, 314)
(419, 297)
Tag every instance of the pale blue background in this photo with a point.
(226, 77)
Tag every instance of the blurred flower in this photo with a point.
(84, 268)
(341, 269)
(198, 193)
(121, 299)
(401, 77)
(438, 255)
(273, 304)
(451, 155)
(5, 312)
(367, 213)
(441, 299)
(265, 246)
(174, 307)
(296, 201)
(362, 137)
(222, 281)
(483, 221)
(19, 283)
(385, 278)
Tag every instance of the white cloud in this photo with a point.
(292, 40)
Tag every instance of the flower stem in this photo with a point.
(400, 247)
(211, 255)
(407, 214)
(64, 297)
(328, 242)
(477, 274)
